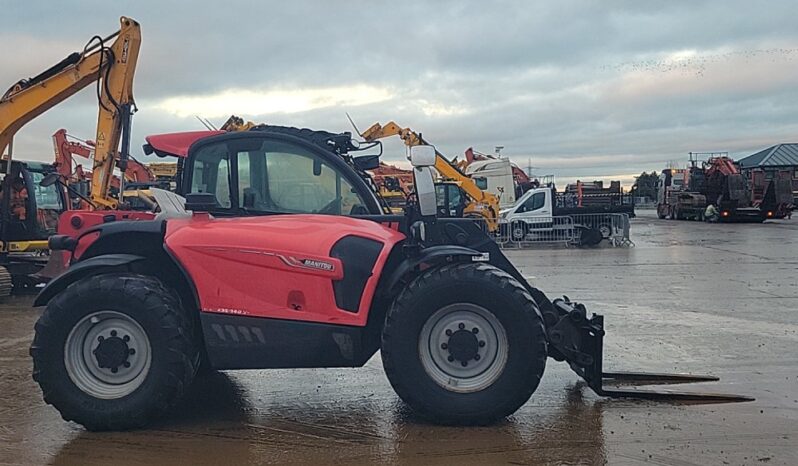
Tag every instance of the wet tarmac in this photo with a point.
(690, 297)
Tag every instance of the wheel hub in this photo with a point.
(107, 354)
(463, 345)
(112, 352)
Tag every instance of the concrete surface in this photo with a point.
(718, 299)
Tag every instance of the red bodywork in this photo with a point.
(255, 266)
(177, 144)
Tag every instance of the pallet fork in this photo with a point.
(579, 340)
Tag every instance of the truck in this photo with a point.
(538, 210)
(496, 177)
(685, 194)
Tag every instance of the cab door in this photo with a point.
(261, 174)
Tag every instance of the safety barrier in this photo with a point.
(538, 230)
(569, 230)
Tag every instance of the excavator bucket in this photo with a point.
(579, 340)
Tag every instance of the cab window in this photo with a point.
(48, 203)
(276, 177)
(534, 202)
(211, 174)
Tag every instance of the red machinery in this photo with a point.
(69, 168)
(464, 338)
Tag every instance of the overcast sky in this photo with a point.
(589, 89)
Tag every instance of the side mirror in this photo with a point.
(422, 156)
(425, 190)
(49, 179)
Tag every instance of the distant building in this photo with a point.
(781, 157)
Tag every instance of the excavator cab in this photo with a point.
(451, 200)
(29, 209)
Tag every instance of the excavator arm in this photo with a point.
(113, 66)
(446, 169)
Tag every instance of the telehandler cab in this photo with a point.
(463, 337)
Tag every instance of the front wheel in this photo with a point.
(113, 351)
(464, 344)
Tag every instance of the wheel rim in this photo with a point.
(605, 231)
(107, 355)
(463, 347)
(518, 232)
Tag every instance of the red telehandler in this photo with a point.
(258, 277)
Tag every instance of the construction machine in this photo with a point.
(459, 194)
(314, 281)
(111, 65)
(717, 181)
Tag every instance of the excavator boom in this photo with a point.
(446, 169)
(113, 66)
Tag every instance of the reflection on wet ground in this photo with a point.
(221, 420)
(673, 303)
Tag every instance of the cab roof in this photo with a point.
(175, 144)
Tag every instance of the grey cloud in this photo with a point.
(544, 79)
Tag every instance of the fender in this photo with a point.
(430, 254)
(83, 269)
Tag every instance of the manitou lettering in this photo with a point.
(314, 264)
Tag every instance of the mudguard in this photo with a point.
(83, 269)
(427, 255)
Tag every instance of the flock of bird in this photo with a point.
(698, 64)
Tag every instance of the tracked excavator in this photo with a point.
(110, 63)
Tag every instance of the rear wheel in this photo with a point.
(518, 231)
(6, 282)
(464, 344)
(113, 351)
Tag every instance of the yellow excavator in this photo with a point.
(110, 62)
(481, 205)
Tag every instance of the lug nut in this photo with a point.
(444, 346)
(477, 357)
(113, 333)
(464, 363)
(481, 343)
(131, 351)
(127, 364)
(450, 358)
(448, 332)
(100, 338)
(474, 330)
(126, 338)
(114, 370)
(461, 326)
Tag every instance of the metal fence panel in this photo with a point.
(567, 230)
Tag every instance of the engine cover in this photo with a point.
(314, 268)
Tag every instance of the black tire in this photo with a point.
(171, 346)
(492, 290)
(518, 231)
(590, 237)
